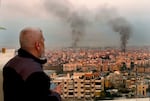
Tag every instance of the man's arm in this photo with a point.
(37, 86)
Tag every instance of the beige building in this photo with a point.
(141, 90)
(85, 87)
(71, 66)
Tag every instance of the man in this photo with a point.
(24, 79)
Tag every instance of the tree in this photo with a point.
(132, 65)
(103, 94)
(123, 67)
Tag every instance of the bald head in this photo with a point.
(29, 36)
(31, 39)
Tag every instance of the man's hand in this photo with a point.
(58, 89)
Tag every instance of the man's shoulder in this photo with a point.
(24, 66)
(21, 63)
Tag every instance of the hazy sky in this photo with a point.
(54, 17)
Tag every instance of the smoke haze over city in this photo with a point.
(69, 23)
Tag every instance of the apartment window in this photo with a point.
(70, 93)
(87, 93)
(70, 83)
(97, 83)
(87, 78)
(88, 88)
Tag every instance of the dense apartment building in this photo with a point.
(71, 66)
(99, 59)
(81, 86)
(119, 70)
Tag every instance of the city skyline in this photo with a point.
(16, 14)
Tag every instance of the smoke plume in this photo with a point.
(77, 24)
(123, 27)
(65, 11)
(78, 20)
(109, 15)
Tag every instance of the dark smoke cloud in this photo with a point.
(78, 20)
(77, 24)
(122, 26)
(109, 15)
(65, 11)
(60, 8)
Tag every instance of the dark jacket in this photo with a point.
(24, 79)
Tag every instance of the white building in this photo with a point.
(6, 56)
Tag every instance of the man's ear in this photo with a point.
(37, 45)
